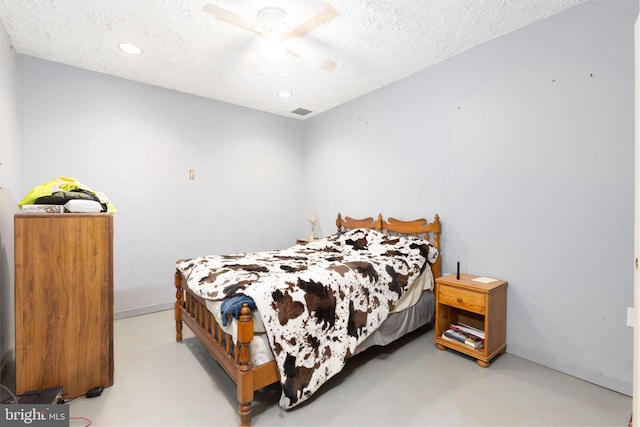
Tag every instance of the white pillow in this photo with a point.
(81, 205)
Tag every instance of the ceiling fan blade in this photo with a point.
(230, 18)
(316, 21)
(307, 54)
(293, 53)
(329, 65)
(249, 59)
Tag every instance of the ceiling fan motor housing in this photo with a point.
(271, 19)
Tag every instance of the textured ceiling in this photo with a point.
(372, 42)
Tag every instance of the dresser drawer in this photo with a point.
(461, 298)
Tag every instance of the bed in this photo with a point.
(296, 315)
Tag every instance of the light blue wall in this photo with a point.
(525, 148)
(9, 194)
(137, 143)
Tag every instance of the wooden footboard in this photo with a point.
(234, 358)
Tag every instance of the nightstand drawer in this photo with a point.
(460, 298)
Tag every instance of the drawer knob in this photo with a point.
(459, 299)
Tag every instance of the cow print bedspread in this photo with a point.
(317, 301)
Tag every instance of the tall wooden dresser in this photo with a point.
(64, 301)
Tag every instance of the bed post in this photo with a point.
(245, 375)
(379, 223)
(179, 304)
(436, 242)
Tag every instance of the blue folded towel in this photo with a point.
(231, 306)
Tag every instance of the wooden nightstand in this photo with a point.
(479, 305)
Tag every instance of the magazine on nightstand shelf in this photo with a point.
(464, 334)
(469, 330)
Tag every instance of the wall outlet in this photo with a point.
(630, 317)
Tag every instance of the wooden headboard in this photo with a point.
(417, 227)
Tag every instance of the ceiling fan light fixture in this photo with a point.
(130, 48)
(273, 46)
(285, 94)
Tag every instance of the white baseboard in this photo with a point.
(590, 375)
(143, 310)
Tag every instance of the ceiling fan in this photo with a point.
(269, 24)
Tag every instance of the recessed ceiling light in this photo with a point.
(130, 48)
(285, 94)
